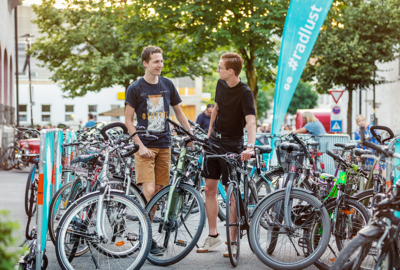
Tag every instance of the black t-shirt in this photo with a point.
(234, 104)
(151, 103)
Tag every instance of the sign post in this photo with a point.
(336, 111)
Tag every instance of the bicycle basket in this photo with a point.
(282, 155)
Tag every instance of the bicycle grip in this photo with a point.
(155, 131)
(191, 122)
(334, 156)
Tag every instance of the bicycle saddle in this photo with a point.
(346, 146)
(264, 149)
(84, 158)
(289, 146)
(327, 176)
(359, 152)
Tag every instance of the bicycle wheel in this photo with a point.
(134, 192)
(58, 206)
(185, 224)
(125, 245)
(8, 160)
(306, 211)
(31, 191)
(365, 197)
(363, 251)
(233, 221)
(352, 216)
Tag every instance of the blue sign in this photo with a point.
(336, 126)
(303, 23)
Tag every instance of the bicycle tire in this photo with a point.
(31, 180)
(365, 197)
(363, 216)
(311, 215)
(359, 247)
(9, 154)
(232, 196)
(57, 202)
(158, 203)
(138, 242)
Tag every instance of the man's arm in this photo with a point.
(213, 116)
(251, 135)
(181, 117)
(129, 114)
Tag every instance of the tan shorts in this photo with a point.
(155, 169)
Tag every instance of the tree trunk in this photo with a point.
(251, 74)
(350, 110)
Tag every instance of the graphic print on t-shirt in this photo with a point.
(155, 112)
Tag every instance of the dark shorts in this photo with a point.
(217, 167)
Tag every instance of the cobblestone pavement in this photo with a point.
(12, 192)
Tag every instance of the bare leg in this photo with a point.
(232, 216)
(210, 191)
(149, 190)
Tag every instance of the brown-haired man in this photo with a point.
(234, 109)
(150, 97)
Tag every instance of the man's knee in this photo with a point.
(211, 190)
(149, 190)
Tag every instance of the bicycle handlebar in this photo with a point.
(297, 139)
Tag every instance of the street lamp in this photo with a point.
(28, 63)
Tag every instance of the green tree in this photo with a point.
(263, 104)
(246, 26)
(304, 98)
(84, 48)
(356, 36)
(8, 257)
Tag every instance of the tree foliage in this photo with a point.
(304, 98)
(8, 256)
(84, 47)
(246, 26)
(356, 36)
(263, 104)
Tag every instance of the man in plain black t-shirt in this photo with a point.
(234, 109)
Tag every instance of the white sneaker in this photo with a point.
(234, 249)
(209, 244)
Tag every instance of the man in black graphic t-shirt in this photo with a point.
(150, 98)
(234, 109)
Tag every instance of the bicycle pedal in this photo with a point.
(181, 243)
(303, 242)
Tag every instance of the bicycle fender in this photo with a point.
(372, 231)
(277, 190)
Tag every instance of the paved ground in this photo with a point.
(12, 192)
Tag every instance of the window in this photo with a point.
(186, 91)
(114, 118)
(46, 110)
(23, 109)
(45, 117)
(93, 110)
(69, 113)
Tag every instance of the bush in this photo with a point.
(8, 256)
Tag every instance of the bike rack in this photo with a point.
(50, 167)
(70, 136)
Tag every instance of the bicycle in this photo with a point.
(177, 211)
(287, 214)
(114, 228)
(239, 201)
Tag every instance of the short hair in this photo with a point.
(210, 106)
(148, 51)
(90, 116)
(360, 116)
(310, 117)
(233, 61)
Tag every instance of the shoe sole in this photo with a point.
(210, 249)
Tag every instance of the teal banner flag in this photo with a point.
(303, 23)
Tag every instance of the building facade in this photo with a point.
(7, 69)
